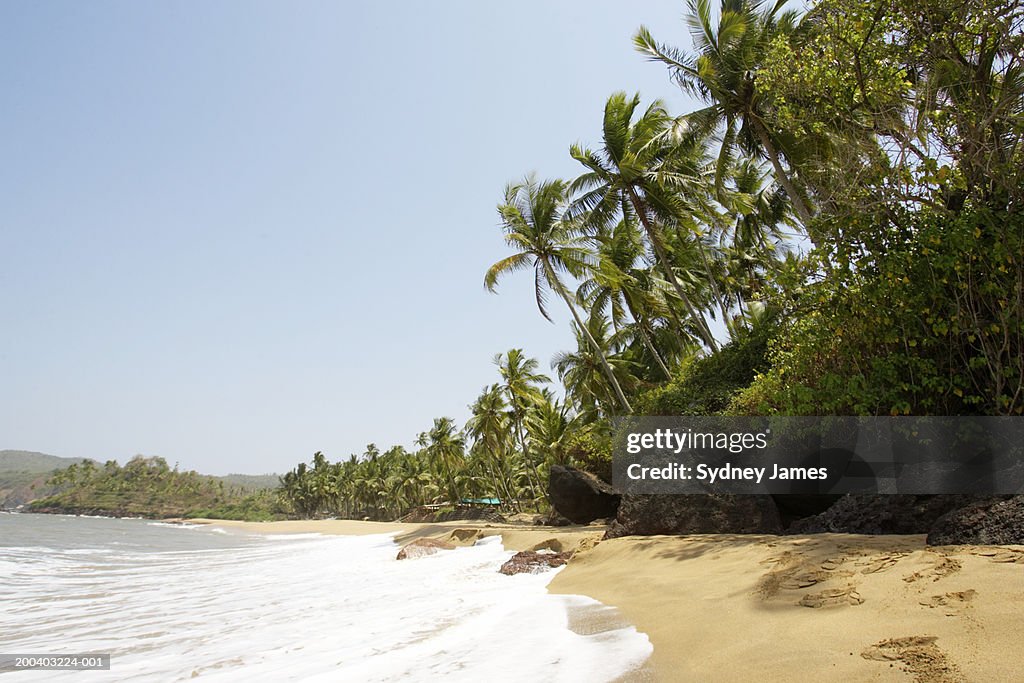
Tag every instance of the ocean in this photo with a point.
(172, 602)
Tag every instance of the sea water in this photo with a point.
(173, 602)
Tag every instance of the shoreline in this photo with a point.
(460, 533)
(838, 607)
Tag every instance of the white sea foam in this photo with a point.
(315, 608)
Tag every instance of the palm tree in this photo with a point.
(520, 377)
(581, 374)
(722, 71)
(645, 170)
(550, 427)
(755, 240)
(532, 217)
(617, 284)
(489, 428)
(447, 448)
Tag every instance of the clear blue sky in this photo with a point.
(235, 233)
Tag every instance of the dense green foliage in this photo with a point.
(148, 487)
(932, 325)
(855, 170)
(706, 385)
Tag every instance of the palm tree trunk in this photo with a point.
(659, 251)
(714, 285)
(557, 284)
(642, 326)
(787, 184)
(522, 442)
(491, 457)
(497, 455)
(680, 327)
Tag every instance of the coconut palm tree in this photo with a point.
(722, 71)
(651, 169)
(618, 284)
(532, 217)
(550, 427)
(581, 374)
(490, 428)
(520, 384)
(447, 447)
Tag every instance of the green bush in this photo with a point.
(706, 385)
(590, 449)
(925, 319)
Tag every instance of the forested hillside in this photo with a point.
(148, 487)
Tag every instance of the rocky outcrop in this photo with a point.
(881, 514)
(551, 518)
(579, 496)
(422, 547)
(994, 522)
(531, 562)
(794, 506)
(646, 515)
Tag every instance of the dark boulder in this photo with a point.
(994, 522)
(531, 562)
(881, 514)
(579, 496)
(648, 515)
(551, 518)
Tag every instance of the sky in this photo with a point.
(236, 233)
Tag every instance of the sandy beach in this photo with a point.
(828, 607)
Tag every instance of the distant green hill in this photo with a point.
(24, 475)
(30, 461)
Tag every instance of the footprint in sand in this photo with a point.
(791, 573)
(950, 601)
(1004, 555)
(920, 657)
(941, 567)
(881, 563)
(798, 581)
(833, 563)
(834, 597)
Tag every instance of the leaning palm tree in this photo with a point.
(756, 239)
(722, 71)
(534, 224)
(618, 285)
(651, 169)
(580, 370)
